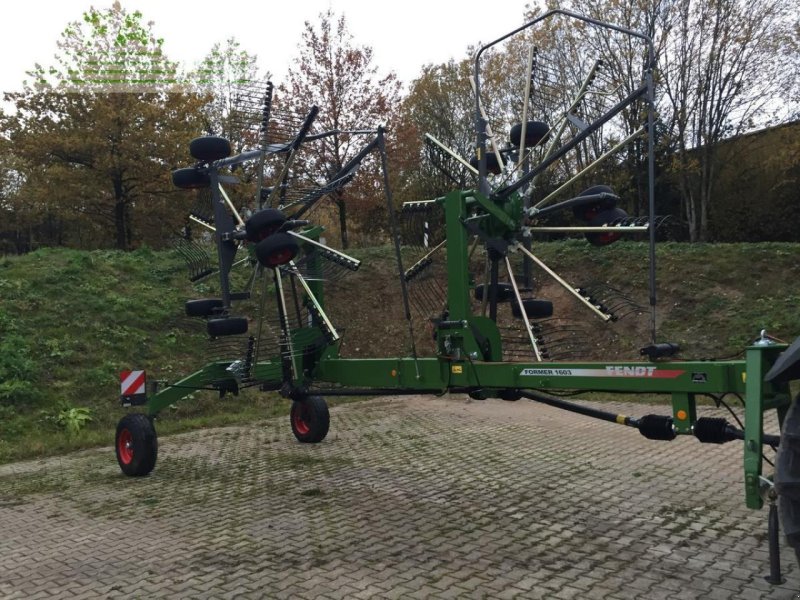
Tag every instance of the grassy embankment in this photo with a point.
(71, 320)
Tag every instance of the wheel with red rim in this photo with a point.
(276, 250)
(606, 217)
(310, 419)
(136, 445)
(587, 212)
(263, 224)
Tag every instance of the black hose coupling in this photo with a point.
(657, 427)
(714, 430)
(718, 431)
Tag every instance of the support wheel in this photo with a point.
(136, 445)
(263, 224)
(276, 250)
(587, 212)
(310, 419)
(190, 179)
(209, 148)
(606, 217)
(787, 477)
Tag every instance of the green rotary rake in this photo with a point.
(464, 262)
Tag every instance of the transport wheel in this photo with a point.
(276, 250)
(190, 178)
(136, 445)
(505, 292)
(534, 309)
(605, 217)
(310, 419)
(263, 224)
(536, 132)
(492, 164)
(226, 326)
(787, 477)
(209, 148)
(203, 307)
(587, 212)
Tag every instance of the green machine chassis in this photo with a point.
(467, 366)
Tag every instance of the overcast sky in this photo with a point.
(404, 34)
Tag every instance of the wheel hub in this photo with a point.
(125, 447)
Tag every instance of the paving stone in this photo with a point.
(412, 498)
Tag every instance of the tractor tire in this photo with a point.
(310, 419)
(263, 224)
(536, 132)
(787, 477)
(227, 326)
(209, 148)
(203, 307)
(276, 250)
(604, 218)
(587, 212)
(136, 445)
(190, 178)
(534, 309)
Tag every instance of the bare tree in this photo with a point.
(439, 103)
(724, 72)
(624, 62)
(340, 78)
(230, 75)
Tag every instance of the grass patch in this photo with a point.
(71, 320)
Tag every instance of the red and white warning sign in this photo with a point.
(132, 383)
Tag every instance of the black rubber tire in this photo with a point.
(203, 307)
(510, 395)
(492, 164)
(263, 224)
(226, 326)
(209, 148)
(787, 477)
(190, 178)
(136, 445)
(587, 212)
(604, 218)
(536, 132)
(505, 291)
(534, 309)
(310, 419)
(276, 250)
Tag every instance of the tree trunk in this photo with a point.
(705, 193)
(120, 216)
(689, 202)
(342, 220)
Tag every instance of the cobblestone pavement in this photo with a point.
(406, 498)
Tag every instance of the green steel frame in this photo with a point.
(464, 364)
